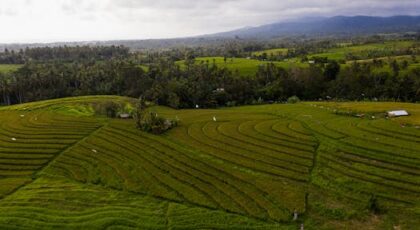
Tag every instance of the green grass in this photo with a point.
(340, 53)
(76, 106)
(144, 67)
(244, 67)
(346, 48)
(77, 206)
(269, 52)
(6, 68)
(377, 108)
(69, 168)
(249, 67)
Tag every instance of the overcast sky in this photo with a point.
(82, 20)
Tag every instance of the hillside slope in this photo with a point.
(64, 166)
(340, 25)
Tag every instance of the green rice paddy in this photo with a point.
(271, 52)
(64, 167)
(244, 66)
(249, 66)
(6, 68)
(341, 52)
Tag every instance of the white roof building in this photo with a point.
(125, 116)
(397, 113)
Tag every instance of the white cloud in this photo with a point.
(65, 20)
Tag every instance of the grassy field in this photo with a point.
(248, 67)
(346, 48)
(271, 52)
(5, 68)
(63, 166)
(340, 53)
(245, 67)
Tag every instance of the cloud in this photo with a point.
(237, 13)
(8, 12)
(46, 20)
(177, 5)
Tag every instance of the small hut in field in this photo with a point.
(125, 116)
(397, 113)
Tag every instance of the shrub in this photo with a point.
(231, 103)
(260, 101)
(293, 100)
(151, 122)
(373, 205)
(111, 109)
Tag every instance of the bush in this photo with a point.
(373, 205)
(155, 124)
(293, 100)
(151, 122)
(111, 109)
(231, 103)
(260, 101)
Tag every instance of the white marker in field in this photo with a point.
(13, 139)
(214, 118)
(94, 150)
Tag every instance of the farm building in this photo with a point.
(125, 116)
(397, 113)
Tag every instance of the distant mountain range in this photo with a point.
(311, 27)
(340, 25)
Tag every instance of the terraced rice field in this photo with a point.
(250, 169)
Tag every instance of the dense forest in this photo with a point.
(73, 71)
(62, 54)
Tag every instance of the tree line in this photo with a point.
(63, 54)
(207, 85)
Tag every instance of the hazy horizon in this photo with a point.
(36, 21)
